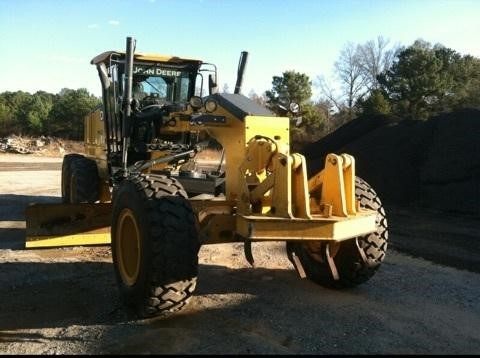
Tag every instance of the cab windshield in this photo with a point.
(162, 83)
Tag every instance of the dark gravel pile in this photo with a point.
(433, 164)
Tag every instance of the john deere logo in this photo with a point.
(155, 71)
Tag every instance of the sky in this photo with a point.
(48, 44)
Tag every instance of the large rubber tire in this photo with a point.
(352, 268)
(67, 174)
(84, 181)
(154, 245)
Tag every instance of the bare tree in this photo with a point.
(350, 74)
(357, 69)
(260, 99)
(329, 93)
(374, 57)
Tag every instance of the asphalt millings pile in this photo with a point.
(433, 164)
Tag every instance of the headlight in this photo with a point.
(196, 102)
(210, 105)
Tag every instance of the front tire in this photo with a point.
(154, 245)
(356, 260)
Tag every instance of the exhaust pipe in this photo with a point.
(127, 99)
(128, 75)
(241, 70)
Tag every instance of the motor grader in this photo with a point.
(140, 187)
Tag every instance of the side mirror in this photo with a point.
(212, 84)
(298, 121)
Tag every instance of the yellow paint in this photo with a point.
(69, 240)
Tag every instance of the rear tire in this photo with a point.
(66, 175)
(352, 268)
(154, 245)
(84, 181)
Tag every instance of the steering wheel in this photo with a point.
(151, 97)
(152, 106)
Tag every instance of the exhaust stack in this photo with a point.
(241, 70)
(127, 110)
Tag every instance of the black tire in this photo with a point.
(352, 268)
(66, 175)
(154, 245)
(84, 181)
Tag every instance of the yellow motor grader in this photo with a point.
(140, 187)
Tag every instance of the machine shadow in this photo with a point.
(63, 294)
(12, 218)
(12, 206)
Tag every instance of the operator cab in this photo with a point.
(161, 86)
(164, 92)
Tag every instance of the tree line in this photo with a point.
(57, 115)
(413, 82)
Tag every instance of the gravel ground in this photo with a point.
(65, 301)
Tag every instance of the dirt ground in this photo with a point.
(423, 300)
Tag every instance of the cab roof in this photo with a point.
(105, 58)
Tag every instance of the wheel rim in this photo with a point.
(128, 247)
